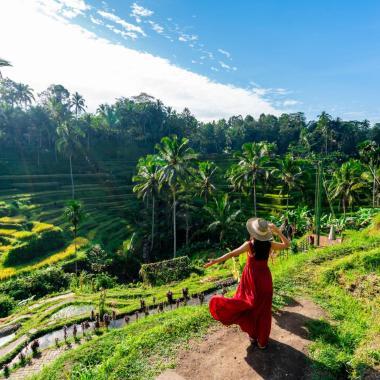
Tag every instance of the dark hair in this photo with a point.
(261, 249)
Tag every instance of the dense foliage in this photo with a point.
(167, 271)
(57, 119)
(37, 284)
(184, 166)
(6, 305)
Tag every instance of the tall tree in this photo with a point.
(346, 183)
(176, 158)
(223, 216)
(78, 103)
(323, 125)
(3, 63)
(289, 172)
(148, 184)
(253, 161)
(204, 179)
(68, 143)
(74, 214)
(370, 155)
(24, 94)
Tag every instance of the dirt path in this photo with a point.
(226, 354)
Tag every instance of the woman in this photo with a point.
(251, 306)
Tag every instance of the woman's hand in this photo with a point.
(210, 262)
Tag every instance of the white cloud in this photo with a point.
(224, 65)
(280, 91)
(102, 71)
(224, 52)
(156, 27)
(214, 68)
(138, 11)
(122, 33)
(96, 21)
(187, 37)
(290, 103)
(66, 8)
(117, 20)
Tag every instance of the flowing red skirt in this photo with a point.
(251, 306)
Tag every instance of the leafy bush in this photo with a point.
(38, 246)
(6, 305)
(39, 283)
(105, 281)
(166, 271)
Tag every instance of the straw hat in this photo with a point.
(259, 229)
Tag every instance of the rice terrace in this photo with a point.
(163, 216)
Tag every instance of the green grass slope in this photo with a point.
(343, 279)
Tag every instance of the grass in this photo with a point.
(128, 353)
(348, 344)
(345, 344)
(123, 300)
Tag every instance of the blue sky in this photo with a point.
(278, 55)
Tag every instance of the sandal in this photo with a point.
(262, 347)
(253, 341)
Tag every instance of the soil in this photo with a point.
(225, 353)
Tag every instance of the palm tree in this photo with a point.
(323, 125)
(289, 172)
(370, 155)
(204, 179)
(68, 143)
(74, 215)
(77, 101)
(346, 183)
(24, 94)
(176, 157)
(223, 217)
(3, 63)
(252, 164)
(147, 183)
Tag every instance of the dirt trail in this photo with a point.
(226, 354)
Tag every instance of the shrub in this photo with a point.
(166, 271)
(38, 284)
(36, 247)
(103, 280)
(6, 305)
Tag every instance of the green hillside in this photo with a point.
(345, 344)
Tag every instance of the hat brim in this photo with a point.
(252, 231)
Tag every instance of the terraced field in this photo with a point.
(106, 192)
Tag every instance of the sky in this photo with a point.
(216, 57)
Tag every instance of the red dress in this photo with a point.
(251, 306)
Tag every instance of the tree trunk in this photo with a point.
(152, 237)
(287, 200)
(344, 206)
(254, 198)
(75, 245)
(374, 192)
(174, 226)
(72, 178)
(187, 229)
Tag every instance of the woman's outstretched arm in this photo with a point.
(236, 252)
(285, 243)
